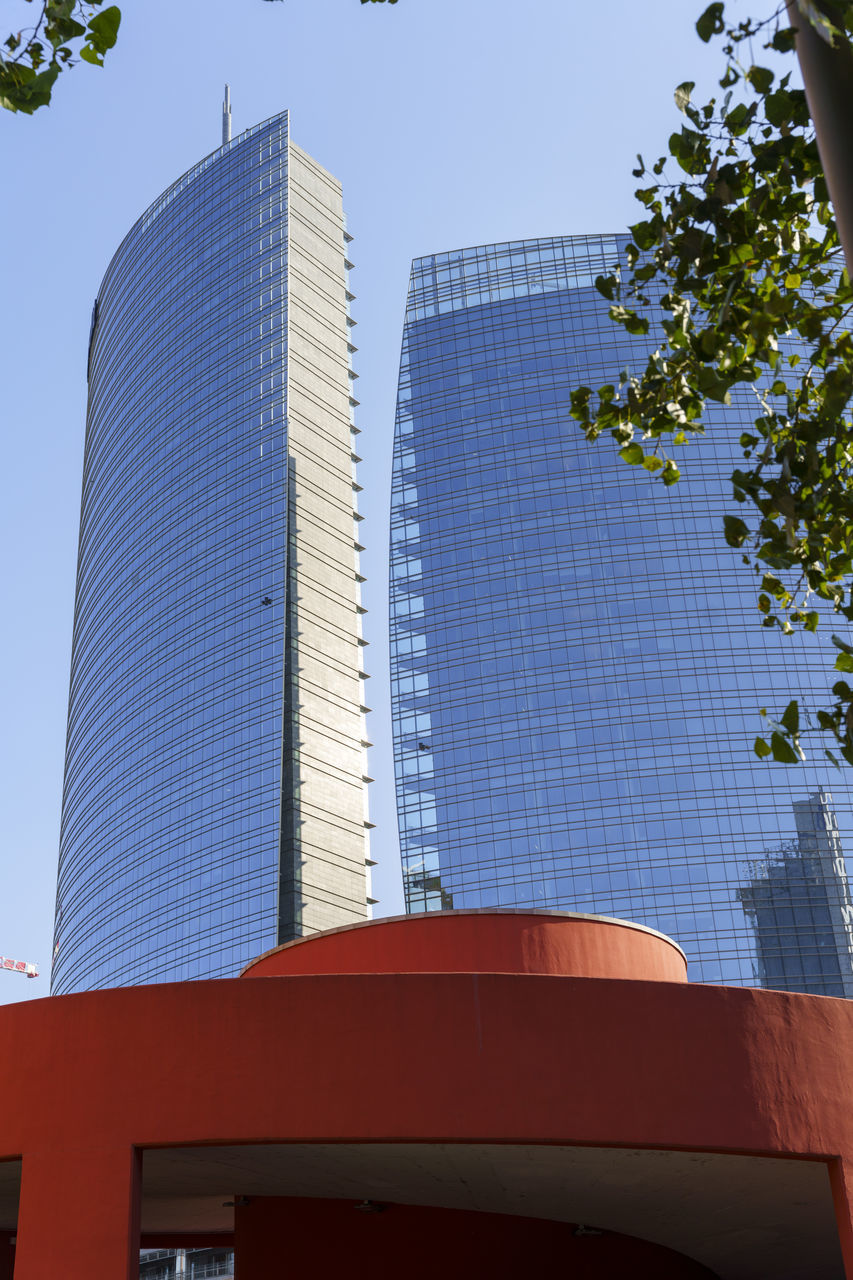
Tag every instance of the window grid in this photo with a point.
(577, 668)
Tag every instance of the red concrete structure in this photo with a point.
(462, 1092)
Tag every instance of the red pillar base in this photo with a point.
(370, 1242)
(79, 1215)
(841, 1181)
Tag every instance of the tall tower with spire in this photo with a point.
(214, 800)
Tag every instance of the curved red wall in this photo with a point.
(468, 1057)
(545, 942)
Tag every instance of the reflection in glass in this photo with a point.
(797, 900)
(577, 665)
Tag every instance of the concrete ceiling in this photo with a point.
(745, 1218)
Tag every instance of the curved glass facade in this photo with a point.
(577, 668)
(214, 796)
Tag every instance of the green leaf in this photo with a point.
(645, 235)
(711, 22)
(101, 35)
(736, 531)
(629, 320)
(632, 453)
(103, 28)
(760, 77)
(712, 385)
(784, 41)
(690, 149)
(62, 28)
(844, 662)
(737, 120)
(682, 94)
(791, 717)
(778, 107)
(25, 90)
(782, 750)
(761, 748)
(606, 286)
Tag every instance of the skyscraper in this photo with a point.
(577, 668)
(214, 800)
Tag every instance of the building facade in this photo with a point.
(577, 665)
(187, 1264)
(214, 799)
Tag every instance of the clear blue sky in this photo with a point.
(449, 122)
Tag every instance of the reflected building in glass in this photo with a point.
(214, 800)
(798, 902)
(577, 665)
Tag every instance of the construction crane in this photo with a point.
(19, 966)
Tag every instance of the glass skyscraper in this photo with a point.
(577, 663)
(214, 800)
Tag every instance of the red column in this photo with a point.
(79, 1214)
(841, 1181)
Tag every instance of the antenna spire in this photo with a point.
(226, 116)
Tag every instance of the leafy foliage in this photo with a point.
(739, 256)
(33, 58)
(64, 30)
